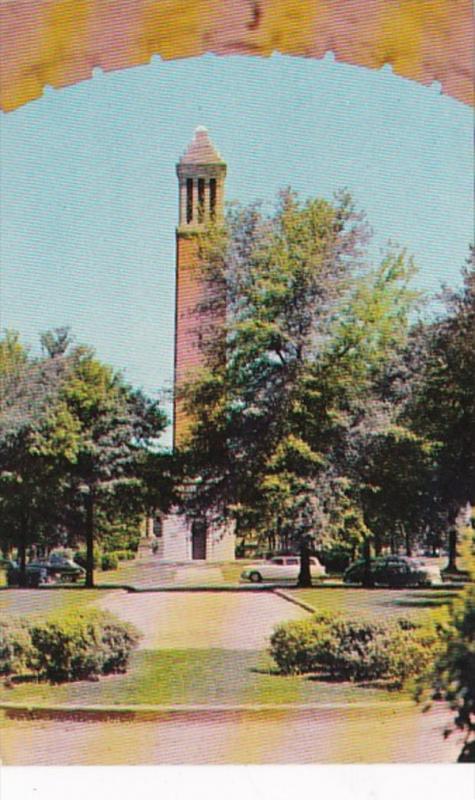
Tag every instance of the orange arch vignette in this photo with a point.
(60, 42)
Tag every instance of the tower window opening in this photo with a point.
(189, 199)
(212, 197)
(201, 199)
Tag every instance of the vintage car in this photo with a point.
(35, 575)
(280, 568)
(58, 566)
(395, 571)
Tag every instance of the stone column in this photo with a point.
(194, 215)
(182, 204)
(207, 209)
(219, 198)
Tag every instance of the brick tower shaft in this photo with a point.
(201, 173)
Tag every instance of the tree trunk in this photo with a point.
(407, 537)
(452, 563)
(22, 558)
(89, 540)
(305, 577)
(392, 545)
(378, 545)
(368, 578)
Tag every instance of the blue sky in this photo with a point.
(89, 193)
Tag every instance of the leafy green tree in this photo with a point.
(76, 443)
(398, 469)
(279, 412)
(30, 485)
(442, 408)
(452, 677)
(114, 426)
(56, 342)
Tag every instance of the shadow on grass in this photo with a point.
(417, 603)
(265, 671)
(330, 678)
(327, 678)
(17, 680)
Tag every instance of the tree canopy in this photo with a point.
(293, 390)
(75, 440)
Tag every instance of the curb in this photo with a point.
(217, 589)
(291, 599)
(159, 710)
(264, 587)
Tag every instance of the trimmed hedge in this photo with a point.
(354, 650)
(16, 648)
(83, 645)
(78, 646)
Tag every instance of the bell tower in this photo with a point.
(201, 174)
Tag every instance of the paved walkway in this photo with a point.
(292, 737)
(181, 620)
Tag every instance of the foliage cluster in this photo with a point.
(315, 420)
(78, 450)
(452, 675)
(80, 557)
(16, 649)
(354, 650)
(78, 646)
(109, 561)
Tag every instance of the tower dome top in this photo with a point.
(201, 149)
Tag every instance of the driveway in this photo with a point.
(184, 620)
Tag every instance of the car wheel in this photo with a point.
(255, 577)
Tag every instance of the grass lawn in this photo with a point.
(188, 677)
(37, 603)
(372, 603)
(212, 676)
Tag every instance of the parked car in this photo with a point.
(7, 563)
(280, 568)
(61, 567)
(35, 575)
(395, 571)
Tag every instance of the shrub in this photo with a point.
(124, 555)
(335, 559)
(80, 558)
(118, 639)
(411, 652)
(16, 648)
(354, 650)
(297, 646)
(359, 653)
(82, 646)
(109, 561)
(67, 649)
